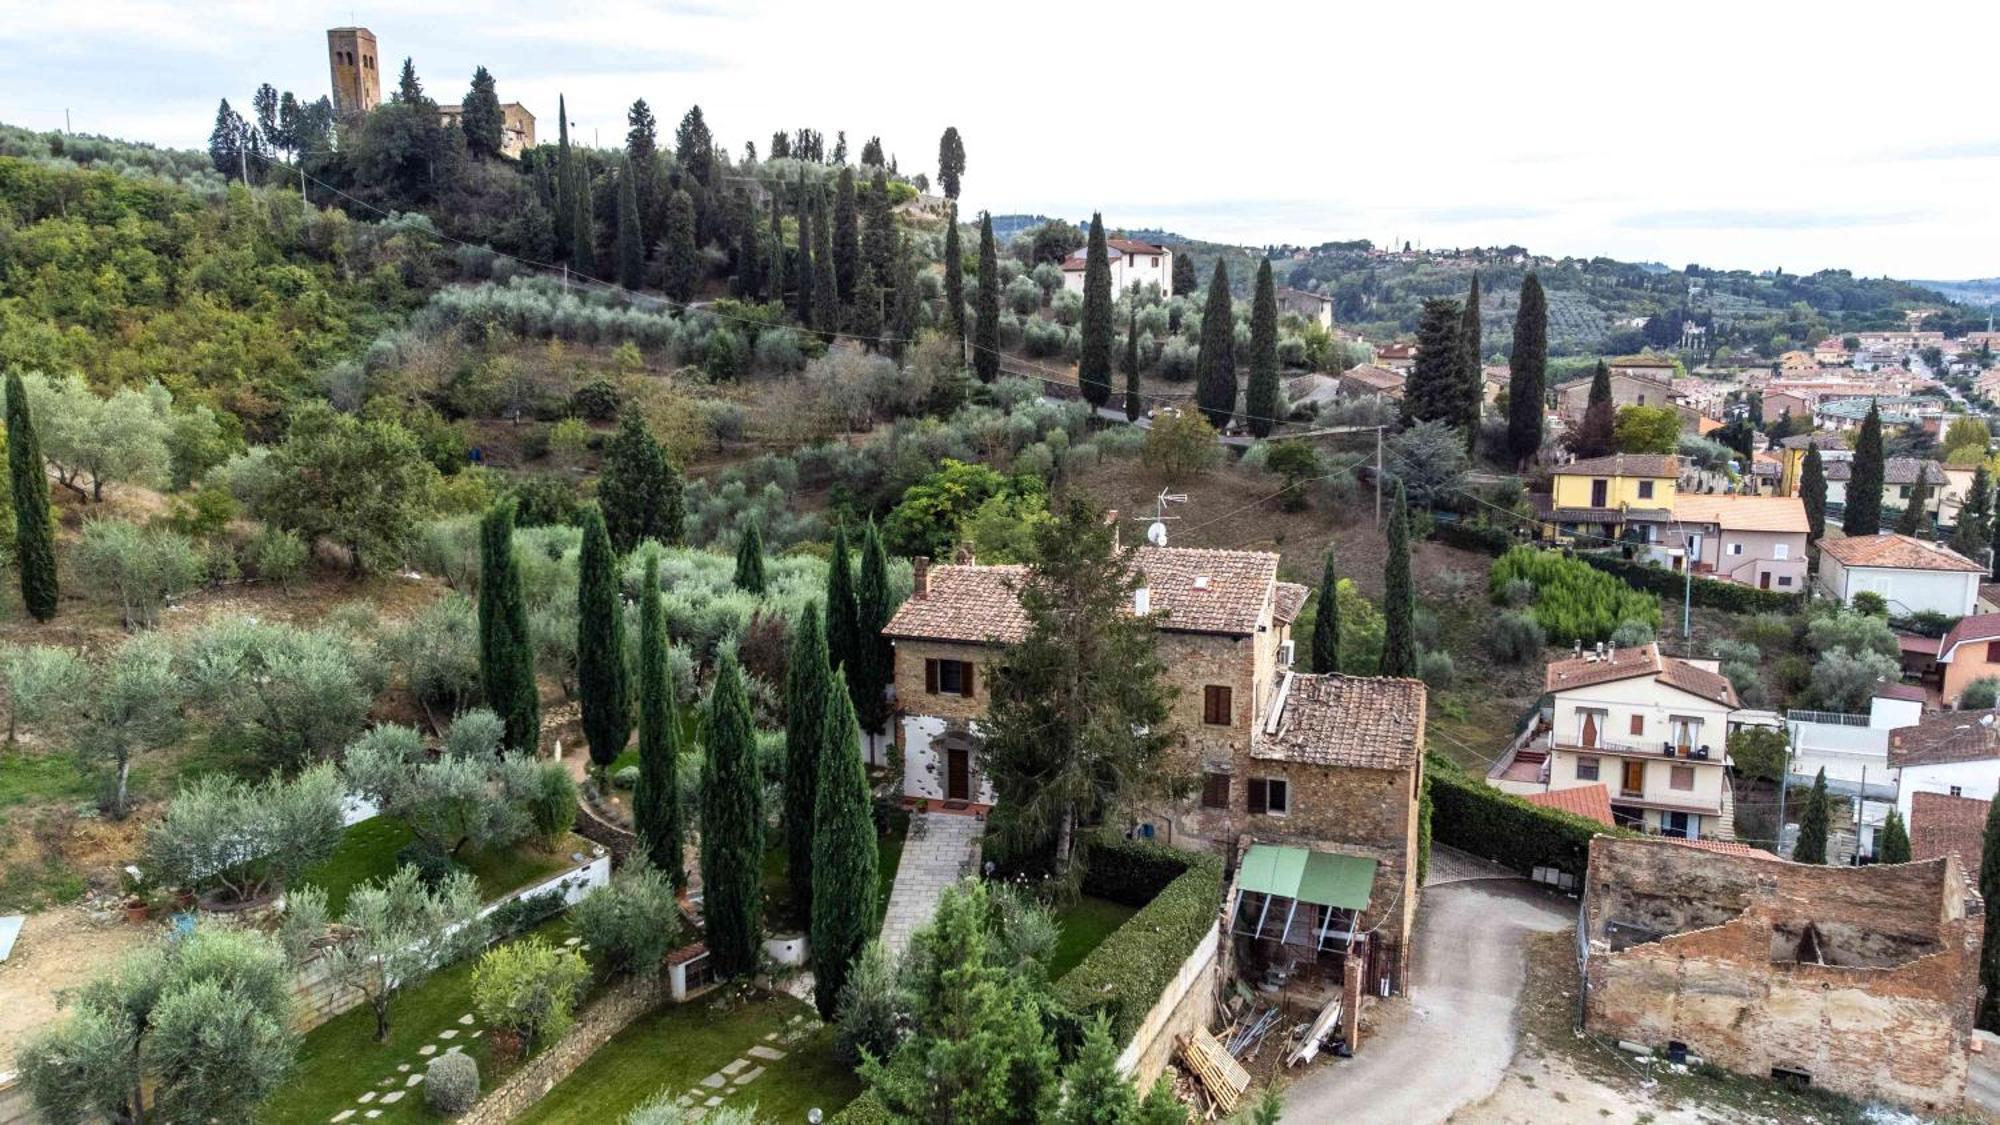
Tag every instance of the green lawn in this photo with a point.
(368, 851)
(675, 1046)
(33, 777)
(1085, 923)
(888, 853)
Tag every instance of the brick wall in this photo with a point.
(600, 1020)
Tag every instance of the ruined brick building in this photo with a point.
(1859, 979)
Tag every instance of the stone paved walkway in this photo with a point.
(941, 849)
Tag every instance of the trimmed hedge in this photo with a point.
(1731, 597)
(1472, 816)
(1481, 537)
(1125, 975)
(864, 1110)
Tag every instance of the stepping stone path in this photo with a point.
(367, 1097)
(427, 1049)
(941, 849)
(749, 1076)
(388, 1099)
(343, 1115)
(448, 1033)
(714, 1081)
(768, 1054)
(412, 1078)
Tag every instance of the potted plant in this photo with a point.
(137, 909)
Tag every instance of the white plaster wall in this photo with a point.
(1953, 593)
(1978, 780)
(924, 765)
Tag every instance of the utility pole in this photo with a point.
(1378, 477)
(1784, 783)
(305, 204)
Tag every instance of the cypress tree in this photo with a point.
(1597, 435)
(1916, 517)
(750, 560)
(506, 651)
(1864, 483)
(874, 662)
(951, 164)
(1989, 889)
(656, 802)
(34, 537)
(1894, 847)
(1184, 279)
(603, 694)
(732, 826)
(986, 306)
(809, 685)
(1811, 844)
(582, 228)
(565, 177)
(908, 304)
(878, 230)
(846, 236)
(631, 240)
(1432, 392)
(1260, 402)
(1093, 369)
(1399, 596)
(806, 271)
(826, 282)
(1215, 362)
(844, 858)
(865, 317)
(1326, 620)
(1974, 529)
(843, 614)
(682, 258)
(954, 286)
(1134, 400)
(1812, 491)
(774, 277)
(1527, 372)
(1472, 382)
(1600, 385)
(639, 488)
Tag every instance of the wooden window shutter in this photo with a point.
(1638, 724)
(965, 678)
(930, 676)
(1256, 793)
(1215, 791)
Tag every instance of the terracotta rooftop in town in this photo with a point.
(1895, 551)
(1377, 378)
(1950, 736)
(1623, 465)
(1895, 470)
(1360, 722)
(1592, 802)
(1976, 629)
(1743, 513)
(1941, 824)
(1631, 663)
(1289, 598)
(1729, 847)
(1833, 439)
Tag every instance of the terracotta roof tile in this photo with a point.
(1375, 378)
(1729, 847)
(1833, 439)
(1897, 552)
(1895, 470)
(1743, 513)
(1951, 736)
(1941, 824)
(1289, 598)
(1592, 802)
(1631, 663)
(1360, 722)
(1623, 465)
(1969, 630)
(965, 603)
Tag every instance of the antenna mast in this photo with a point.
(1156, 532)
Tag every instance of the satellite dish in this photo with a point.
(1157, 534)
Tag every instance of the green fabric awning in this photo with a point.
(1341, 881)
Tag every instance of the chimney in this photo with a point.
(920, 575)
(964, 557)
(1142, 597)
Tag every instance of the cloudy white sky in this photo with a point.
(1753, 133)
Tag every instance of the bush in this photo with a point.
(1124, 976)
(1573, 602)
(1516, 638)
(1980, 695)
(626, 778)
(278, 555)
(1730, 597)
(631, 923)
(529, 989)
(1632, 634)
(1469, 814)
(1872, 604)
(1181, 445)
(1475, 536)
(523, 913)
(1436, 668)
(451, 1083)
(595, 401)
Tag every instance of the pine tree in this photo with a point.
(1399, 596)
(480, 116)
(1864, 482)
(843, 613)
(809, 686)
(1215, 362)
(1432, 392)
(506, 650)
(874, 660)
(1161, 1107)
(1989, 889)
(954, 286)
(1811, 844)
(986, 306)
(1975, 516)
(1916, 517)
(656, 802)
(639, 488)
(951, 165)
(34, 536)
(409, 91)
(604, 696)
(1260, 402)
(1095, 1091)
(1093, 371)
(844, 857)
(1894, 846)
(565, 179)
(846, 236)
(732, 826)
(1134, 401)
(683, 260)
(1812, 491)
(826, 281)
(774, 277)
(750, 560)
(582, 226)
(1527, 372)
(1185, 282)
(631, 240)
(1471, 380)
(1326, 621)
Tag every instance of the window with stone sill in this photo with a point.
(1270, 796)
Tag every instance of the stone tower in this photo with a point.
(357, 80)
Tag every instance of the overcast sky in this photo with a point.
(1750, 134)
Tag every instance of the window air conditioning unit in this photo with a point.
(1286, 652)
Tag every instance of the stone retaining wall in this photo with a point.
(1187, 1003)
(600, 1020)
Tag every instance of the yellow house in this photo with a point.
(1603, 496)
(1833, 446)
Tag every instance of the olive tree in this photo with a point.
(396, 931)
(296, 694)
(465, 795)
(436, 654)
(143, 567)
(44, 684)
(132, 707)
(631, 923)
(244, 840)
(92, 441)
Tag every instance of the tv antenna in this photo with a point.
(1156, 531)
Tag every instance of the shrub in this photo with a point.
(595, 401)
(523, 913)
(1177, 359)
(529, 988)
(1435, 667)
(1475, 536)
(1127, 972)
(1181, 445)
(626, 778)
(451, 1083)
(1980, 695)
(1573, 602)
(1872, 604)
(725, 356)
(1516, 638)
(1731, 597)
(278, 555)
(143, 568)
(631, 923)
(1632, 634)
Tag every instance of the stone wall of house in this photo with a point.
(1195, 661)
(595, 1025)
(1888, 1017)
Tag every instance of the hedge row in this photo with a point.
(864, 1110)
(1731, 597)
(1472, 816)
(1126, 974)
(1481, 537)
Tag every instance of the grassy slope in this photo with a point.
(368, 851)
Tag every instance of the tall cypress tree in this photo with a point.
(1974, 529)
(1812, 491)
(986, 307)
(1184, 278)
(774, 277)
(826, 280)
(878, 230)
(1864, 483)
(843, 614)
(682, 260)
(565, 176)
(34, 537)
(1596, 436)
(1916, 517)
(1527, 372)
(1093, 369)
(846, 236)
(640, 488)
(809, 684)
(506, 651)
(954, 286)
(1432, 392)
(1989, 889)
(732, 826)
(1215, 362)
(1260, 402)
(582, 227)
(874, 662)
(604, 696)
(1811, 844)
(1399, 596)
(750, 560)
(656, 802)
(1134, 400)
(1326, 620)
(1472, 382)
(844, 857)
(1894, 846)
(631, 240)
(806, 270)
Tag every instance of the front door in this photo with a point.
(1764, 580)
(1634, 784)
(958, 774)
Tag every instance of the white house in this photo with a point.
(1132, 263)
(1913, 575)
(1953, 754)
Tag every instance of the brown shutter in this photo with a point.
(930, 676)
(966, 679)
(1215, 791)
(1257, 787)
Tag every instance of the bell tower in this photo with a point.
(357, 79)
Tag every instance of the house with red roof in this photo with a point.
(1969, 652)
(1913, 575)
(1132, 263)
